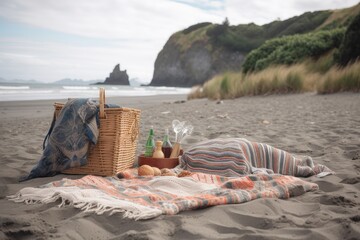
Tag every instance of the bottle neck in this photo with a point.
(166, 138)
(159, 144)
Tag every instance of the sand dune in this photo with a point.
(326, 127)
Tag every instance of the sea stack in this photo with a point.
(117, 77)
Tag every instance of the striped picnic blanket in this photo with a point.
(148, 197)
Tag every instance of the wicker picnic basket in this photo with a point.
(117, 141)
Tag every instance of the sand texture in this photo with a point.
(326, 127)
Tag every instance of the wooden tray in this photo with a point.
(158, 162)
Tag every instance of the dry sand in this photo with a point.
(326, 127)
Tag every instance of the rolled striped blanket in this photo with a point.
(239, 156)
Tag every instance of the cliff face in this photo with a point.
(117, 77)
(181, 66)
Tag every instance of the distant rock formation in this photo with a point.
(117, 77)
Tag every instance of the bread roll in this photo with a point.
(157, 171)
(145, 170)
(167, 172)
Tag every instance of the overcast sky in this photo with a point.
(48, 40)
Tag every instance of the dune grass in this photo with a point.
(341, 79)
(308, 76)
(322, 64)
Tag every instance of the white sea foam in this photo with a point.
(2, 87)
(13, 92)
(76, 87)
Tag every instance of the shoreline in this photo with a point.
(43, 107)
(325, 127)
(56, 92)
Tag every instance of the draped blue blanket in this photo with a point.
(67, 142)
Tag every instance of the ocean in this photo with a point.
(45, 91)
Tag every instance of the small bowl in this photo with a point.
(158, 162)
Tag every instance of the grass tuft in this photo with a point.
(304, 77)
(341, 79)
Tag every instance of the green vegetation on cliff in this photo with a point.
(327, 31)
(191, 35)
(246, 37)
(293, 49)
(350, 47)
(340, 18)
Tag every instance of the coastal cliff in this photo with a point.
(198, 53)
(185, 62)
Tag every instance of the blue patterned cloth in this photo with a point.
(67, 142)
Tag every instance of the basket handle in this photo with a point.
(102, 102)
(134, 129)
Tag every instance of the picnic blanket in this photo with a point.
(67, 142)
(148, 197)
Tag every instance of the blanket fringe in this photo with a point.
(93, 206)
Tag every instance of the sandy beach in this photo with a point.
(325, 127)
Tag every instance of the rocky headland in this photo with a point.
(184, 62)
(196, 54)
(117, 77)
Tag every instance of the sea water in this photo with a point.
(39, 91)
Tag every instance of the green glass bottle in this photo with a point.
(150, 144)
